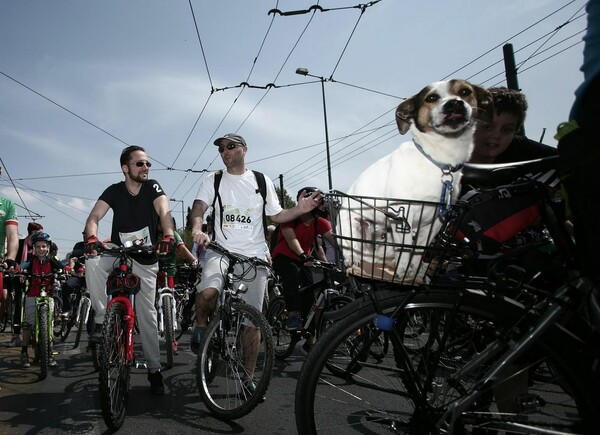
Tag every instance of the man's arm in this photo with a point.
(91, 224)
(196, 219)
(12, 241)
(305, 205)
(161, 205)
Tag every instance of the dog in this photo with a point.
(382, 230)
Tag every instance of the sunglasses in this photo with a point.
(140, 164)
(229, 146)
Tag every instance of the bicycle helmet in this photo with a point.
(40, 237)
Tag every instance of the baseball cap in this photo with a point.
(232, 137)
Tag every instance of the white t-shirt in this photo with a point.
(242, 229)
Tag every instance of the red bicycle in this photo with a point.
(116, 349)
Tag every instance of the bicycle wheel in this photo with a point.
(43, 342)
(233, 375)
(114, 368)
(284, 341)
(422, 373)
(81, 318)
(169, 333)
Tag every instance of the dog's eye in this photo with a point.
(464, 92)
(432, 98)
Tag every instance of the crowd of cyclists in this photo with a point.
(242, 203)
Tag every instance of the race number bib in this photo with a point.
(139, 237)
(238, 219)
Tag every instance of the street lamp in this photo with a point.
(182, 212)
(304, 72)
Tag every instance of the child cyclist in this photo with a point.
(40, 263)
(168, 262)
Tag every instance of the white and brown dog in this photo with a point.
(379, 235)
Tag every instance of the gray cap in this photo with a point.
(232, 137)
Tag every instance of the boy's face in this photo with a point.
(41, 249)
(493, 139)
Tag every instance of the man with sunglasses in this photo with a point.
(138, 204)
(238, 226)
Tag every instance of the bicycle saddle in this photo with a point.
(484, 175)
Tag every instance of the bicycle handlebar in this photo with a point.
(237, 257)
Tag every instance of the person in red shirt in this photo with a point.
(296, 241)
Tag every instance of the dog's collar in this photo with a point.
(444, 167)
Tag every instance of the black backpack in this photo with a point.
(262, 189)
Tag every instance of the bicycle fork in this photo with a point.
(129, 320)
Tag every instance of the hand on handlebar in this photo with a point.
(12, 265)
(201, 238)
(92, 245)
(304, 258)
(166, 246)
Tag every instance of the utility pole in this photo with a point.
(510, 70)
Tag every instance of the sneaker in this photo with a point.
(249, 388)
(15, 342)
(52, 362)
(96, 336)
(293, 322)
(197, 336)
(156, 383)
(66, 314)
(25, 361)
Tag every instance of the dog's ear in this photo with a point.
(485, 104)
(405, 113)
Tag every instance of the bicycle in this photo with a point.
(237, 346)
(457, 342)
(330, 298)
(45, 304)
(116, 356)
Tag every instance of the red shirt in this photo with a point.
(305, 233)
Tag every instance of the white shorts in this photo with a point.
(213, 277)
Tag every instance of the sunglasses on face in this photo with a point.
(140, 164)
(229, 146)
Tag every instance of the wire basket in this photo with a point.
(386, 239)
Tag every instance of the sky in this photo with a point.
(80, 80)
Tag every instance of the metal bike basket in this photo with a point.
(385, 239)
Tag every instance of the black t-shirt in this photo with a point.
(522, 148)
(134, 217)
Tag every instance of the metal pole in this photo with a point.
(326, 134)
(510, 67)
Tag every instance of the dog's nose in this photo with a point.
(454, 106)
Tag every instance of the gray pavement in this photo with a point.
(67, 400)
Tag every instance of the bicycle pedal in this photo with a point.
(140, 365)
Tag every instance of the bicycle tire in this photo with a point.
(379, 398)
(80, 318)
(114, 368)
(219, 376)
(43, 342)
(284, 341)
(169, 333)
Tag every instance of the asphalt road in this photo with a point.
(67, 400)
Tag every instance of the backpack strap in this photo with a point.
(262, 189)
(217, 183)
